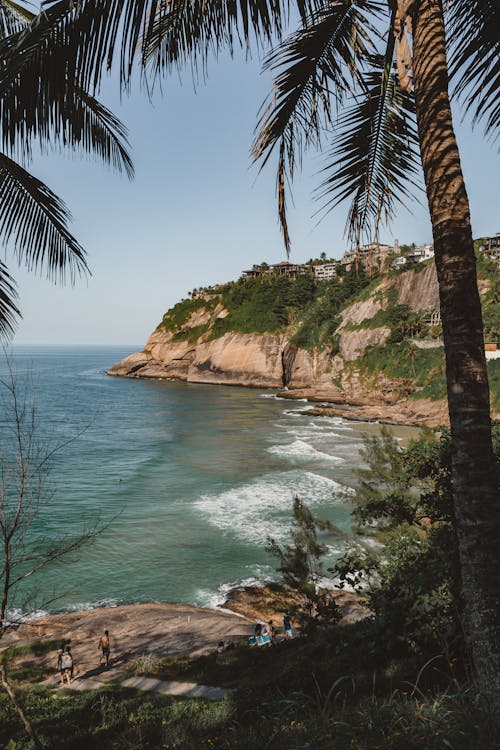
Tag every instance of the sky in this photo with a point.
(197, 212)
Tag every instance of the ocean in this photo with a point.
(187, 482)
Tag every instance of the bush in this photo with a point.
(413, 581)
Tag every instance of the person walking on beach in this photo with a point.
(105, 648)
(66, 665)
(60, 653)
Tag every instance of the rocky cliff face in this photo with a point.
(271, 361)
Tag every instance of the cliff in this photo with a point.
(362, 346)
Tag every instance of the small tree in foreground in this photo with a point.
(413, 580)
(24, 467)
(302, 570)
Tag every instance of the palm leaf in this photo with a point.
(375, 156)
(316, 67)
(88, 35)
(35, 220)
(9, 312)
(187, 31)
(39, 99)
(474, 61)
(13, 17)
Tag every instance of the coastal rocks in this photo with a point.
(269, 602)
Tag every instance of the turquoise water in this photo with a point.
(188, 480)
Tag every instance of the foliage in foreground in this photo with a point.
(413, 581)
(333, 691)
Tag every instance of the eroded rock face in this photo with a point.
(242, 359)
(353, 343)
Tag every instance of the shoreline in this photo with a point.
(354, 412)
(242, 608)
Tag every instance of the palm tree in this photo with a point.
(370, 78)
(399, 118)
(40, 103)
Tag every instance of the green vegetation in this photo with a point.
(269, 304)
(412, 366)
(301, 568)
(264, 305)
(179, 314)
(494, 381)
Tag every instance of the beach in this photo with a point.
(158, 630)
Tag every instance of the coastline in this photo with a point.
(402, 413)
(166, 629)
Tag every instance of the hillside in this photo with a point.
(369, 347)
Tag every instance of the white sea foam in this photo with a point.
(215, 599)
(16, 616)
(255, 511)
(299, 450)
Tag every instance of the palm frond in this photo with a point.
(13, 17)
(316, 68)
(474, 60)
(39, 99)
(35, 220)
(188, 30)
(90, 34)
(9, 312)
(375, 157)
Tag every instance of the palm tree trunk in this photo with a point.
(475, 481)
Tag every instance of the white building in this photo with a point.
(325, 271)
(422, 253)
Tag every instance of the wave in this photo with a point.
(299, 449)
(215, 599)
(262, 508)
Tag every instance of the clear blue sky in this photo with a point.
(197, 213)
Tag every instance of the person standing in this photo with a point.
(287, 626)
(60, 653)
(104, 646)
(66, 665)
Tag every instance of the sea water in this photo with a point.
(186, 482)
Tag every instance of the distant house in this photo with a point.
(399, 262)
(373, 255)
(492, 248)
(421, 253)
(284, 268)
(325, 270)
(292, 270)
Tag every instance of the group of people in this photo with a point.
(65, 662)
(265, 633)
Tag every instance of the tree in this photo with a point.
(301, 567)
(44, 104)
(384, 67)
(24, 469)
